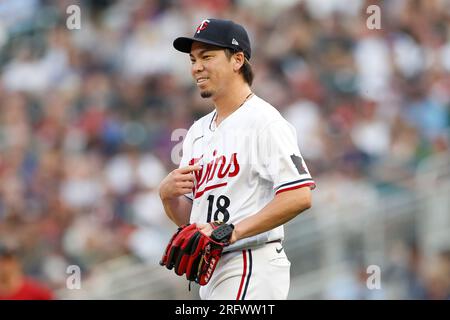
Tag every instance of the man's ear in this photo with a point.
(238, 59)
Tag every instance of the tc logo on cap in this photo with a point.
(202, 25)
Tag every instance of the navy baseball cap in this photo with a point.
(217, 32)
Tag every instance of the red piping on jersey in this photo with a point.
(296, 187)
(243, 275)
(200, 193)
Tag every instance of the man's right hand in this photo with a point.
(179, 182)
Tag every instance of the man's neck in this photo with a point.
(230, 102)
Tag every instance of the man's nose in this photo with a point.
(197, 67)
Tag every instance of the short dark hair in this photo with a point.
(7, 251)
(246, 69)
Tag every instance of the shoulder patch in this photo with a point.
(298, 162)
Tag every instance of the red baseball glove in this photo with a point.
(193, 253)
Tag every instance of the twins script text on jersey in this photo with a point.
(220, 168)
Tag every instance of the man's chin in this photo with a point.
(206, 94)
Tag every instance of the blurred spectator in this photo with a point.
(352, 285)
(437, 279)
(14, 284)
(404, 272)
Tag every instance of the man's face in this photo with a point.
(211, 69)
(8, 266)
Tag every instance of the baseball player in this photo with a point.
(241, 165)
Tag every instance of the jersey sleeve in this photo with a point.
(187, 156)
(280, 160)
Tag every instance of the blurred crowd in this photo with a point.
(87, 116)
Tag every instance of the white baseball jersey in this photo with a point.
(250, 157)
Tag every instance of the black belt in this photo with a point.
(272, 241)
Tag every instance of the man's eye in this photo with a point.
(206, 57)
(192, 61)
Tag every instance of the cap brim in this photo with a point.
(184, 44)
